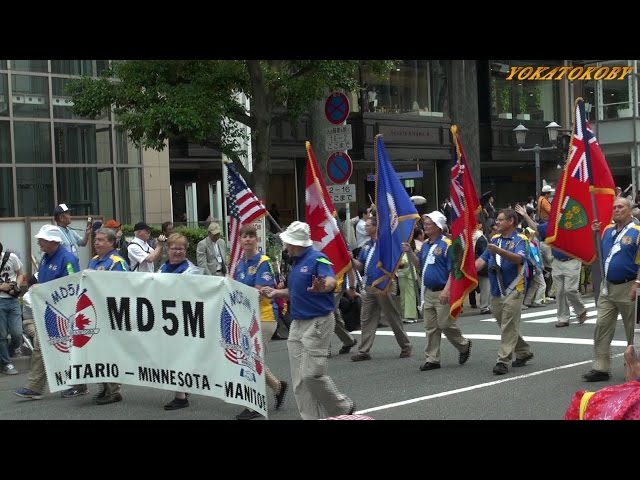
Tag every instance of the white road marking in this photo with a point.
(472, 387)
(482, 336)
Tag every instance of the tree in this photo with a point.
(157, 100)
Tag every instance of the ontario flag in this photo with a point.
(464, 207)
(397, 217)
(321, 217)
(586, 171)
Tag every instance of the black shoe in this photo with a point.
(280, 396)
(596, 376)
(464, 356)
(521, 362)
(485, 311)
(500, 368)
(113, 398)
(177, 403)
(429, 366)
(247, 414)
(352, 410)
(347, 348)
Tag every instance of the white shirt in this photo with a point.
(361, 235)
(9, 271)
(139, 250)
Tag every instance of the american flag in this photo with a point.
(58, 329)
(231, 335)
(244, 207)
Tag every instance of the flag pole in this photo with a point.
(592, 193)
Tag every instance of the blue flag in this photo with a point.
(397, 216)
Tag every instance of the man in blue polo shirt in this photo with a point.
(435, 265)
(310, 288)
(621, 253)
(505, 256)
(57, 262)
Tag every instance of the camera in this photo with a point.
(15, 290)
(495, 268)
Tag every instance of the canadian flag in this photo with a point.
(320, 215)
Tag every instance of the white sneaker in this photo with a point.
(9, 369)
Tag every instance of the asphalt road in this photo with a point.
(387, 387)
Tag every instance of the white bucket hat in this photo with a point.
(50, 233)
(438, 218)
(298, 233)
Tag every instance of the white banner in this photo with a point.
(189, 333)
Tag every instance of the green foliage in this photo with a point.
(194, 235)
(156, 100)
(505, 99)
(522, 99)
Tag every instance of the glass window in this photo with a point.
(126, 152)
(30, 96)
(87, 190)
(615, 95)
(82, 143)
(4, 95)
(5, 142)
(130, 187)
(92, 68)
(522, 99)
(30, 65)
(3, 64)
(417, 87)
(35, 191)
(33, 142)
(62, 104)
(6, 192)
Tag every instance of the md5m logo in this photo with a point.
(66, 329)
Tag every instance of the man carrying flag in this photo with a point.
(380, 257)
(320, 215)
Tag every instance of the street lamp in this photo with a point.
(521, 135)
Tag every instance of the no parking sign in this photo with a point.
(339, 167)
(336, 108)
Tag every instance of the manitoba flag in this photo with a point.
(464, 207)
(586, 170)
(320, 215)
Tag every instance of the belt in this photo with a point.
(437, 289)
(564, 259)
(621, 282)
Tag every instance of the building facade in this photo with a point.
(49, 155)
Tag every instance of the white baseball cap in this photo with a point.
(547, 189)
(50, 233)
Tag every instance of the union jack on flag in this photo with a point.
(244, 207)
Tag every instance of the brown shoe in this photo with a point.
(405, 353)
(582, 318)
(359, 357)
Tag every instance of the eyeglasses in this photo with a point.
(177, 249)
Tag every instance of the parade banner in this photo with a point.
(189, 333)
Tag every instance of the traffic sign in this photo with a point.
(342, 193)
(336, 108)
(339, 167)
(338, 137)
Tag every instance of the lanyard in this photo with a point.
(372, 248)
(615, 248)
